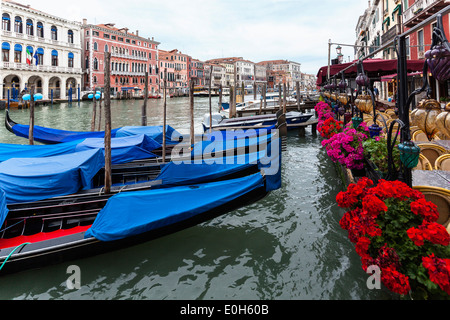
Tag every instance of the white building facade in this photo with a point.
(40, 50)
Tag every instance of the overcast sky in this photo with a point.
(256, 30)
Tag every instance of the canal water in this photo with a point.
(287, 246)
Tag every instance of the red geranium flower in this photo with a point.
(433, 232)
(438, 270)
(395, 281)
(426, 209)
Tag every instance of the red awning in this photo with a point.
(376, 68)
(392, 76)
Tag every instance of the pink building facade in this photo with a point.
(177, 65)
(131, 56)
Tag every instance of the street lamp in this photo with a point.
(340, 56)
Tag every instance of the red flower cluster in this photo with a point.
(439, 271)
(395, 281)
(431, 231)
(426, 209)
(367, 206)
(354, 193)
(329, 127)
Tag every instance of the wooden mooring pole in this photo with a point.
(279, 96)
(164, 116)
(191, 109)
(220, 97)
(94, 112)
(144, 106)
(31, 128)
(108, 179)
(210, 106)
(100, 113)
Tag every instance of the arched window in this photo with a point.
(95, 64)
(70, 61)
(54, 58)
(6, 22)
(40, 56)
(40, 29)
(95, 79)
(30, 27)
(106, 48)
(18, 53)
(95, 46)
(70, 36)
(5, 51)
(54, 32)
(18, 25)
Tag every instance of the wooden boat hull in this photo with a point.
(72, 245)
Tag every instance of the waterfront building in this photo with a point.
(230, 69)
(260, 74)
(131, 57)
(308, 82)
(362, 36)
(196, 72)
(40, 50)
(245, 73)
(177, 70)
(282, 72)
(218, 75)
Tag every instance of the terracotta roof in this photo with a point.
(273, 62)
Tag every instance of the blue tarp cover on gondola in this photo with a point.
(216, 143)
(3, 209)
(50, 135)
(155, 132)
(32, 179)
(8, 151)
(123, 149)
(179, 172)
(133, 213)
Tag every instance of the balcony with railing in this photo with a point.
(128, 56)
(17, 66)
(16, 35)
(420, 10)
(391, 33)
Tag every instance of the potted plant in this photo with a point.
(329, 127)
(346, 148)
(376, 154)
(394, 229)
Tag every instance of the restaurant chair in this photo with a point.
(431, 151)
(420, 136)
(443, 162)
(441, 198)
(423, 163)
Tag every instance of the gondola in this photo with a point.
(51, 136)
(220, 122)
(43, 232)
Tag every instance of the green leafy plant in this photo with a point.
(376, 151)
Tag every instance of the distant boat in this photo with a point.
(220, 122)
(272, 100)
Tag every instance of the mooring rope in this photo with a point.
(11, 253)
